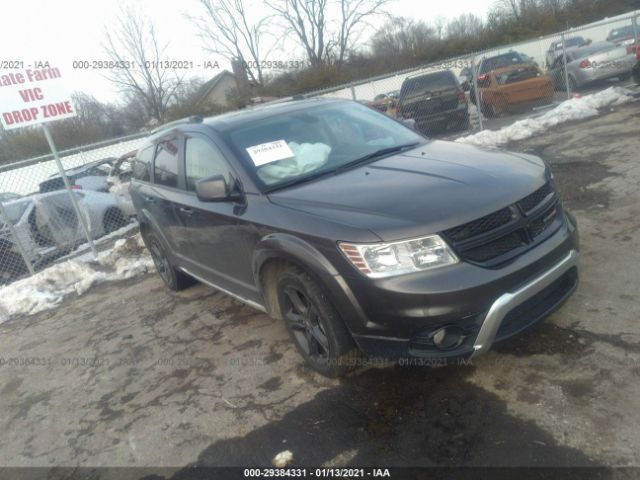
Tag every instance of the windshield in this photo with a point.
(511, 58)
(295, 146)
(620, 33)
(432, 82)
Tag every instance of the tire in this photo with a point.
(488, 110)
(314, 324)
(114, 220)
(173, 278)
(573, 86)
(465, 124)
(624, 77)
(635, 72)
(12, 267)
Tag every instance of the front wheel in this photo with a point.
(314, 325)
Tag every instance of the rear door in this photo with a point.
(219, 247)
(161, 193)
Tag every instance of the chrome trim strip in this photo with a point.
(251, 303)
(507, 302)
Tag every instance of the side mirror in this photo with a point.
(215, 189)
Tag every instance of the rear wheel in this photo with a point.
(314, 325)
(635, 72)
(173, 278)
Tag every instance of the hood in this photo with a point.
(426, 190)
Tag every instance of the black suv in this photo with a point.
(436, 102)
(361, 234)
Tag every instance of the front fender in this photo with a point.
(282, 246)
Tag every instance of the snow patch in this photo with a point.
(573, 109)
(46, 289)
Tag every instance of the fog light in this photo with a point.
(448, 337)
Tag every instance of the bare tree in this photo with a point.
(307, 19)
(467, 26)
(134, 40)
(353, 19)
(226, 30)
(322, 40)
(403, 36)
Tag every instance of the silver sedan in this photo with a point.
(598, 61)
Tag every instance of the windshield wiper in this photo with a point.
(353, 163)
(373, 155)
(298, 180)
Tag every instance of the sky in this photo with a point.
(65, 31)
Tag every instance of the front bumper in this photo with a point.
(508, 302)
(485, 305)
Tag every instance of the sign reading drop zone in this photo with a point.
(33, 96)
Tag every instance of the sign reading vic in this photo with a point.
(33, 96)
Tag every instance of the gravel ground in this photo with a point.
(132, 374)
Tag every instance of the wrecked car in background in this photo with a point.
(47, 227)
(510, 82)
(596, 62)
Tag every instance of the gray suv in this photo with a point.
(360, 234)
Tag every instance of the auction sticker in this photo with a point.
(269, 152)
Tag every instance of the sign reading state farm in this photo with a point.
(33, 96)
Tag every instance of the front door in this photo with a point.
(219, 251)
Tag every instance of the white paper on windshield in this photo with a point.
(269, 152)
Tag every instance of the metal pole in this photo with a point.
(566, 72)
(14, 234)
(474, 74)
(74, 202)
(353, 92)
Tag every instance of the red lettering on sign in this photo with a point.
(31, 94)
(20, 116)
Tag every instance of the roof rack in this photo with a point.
(181, 121)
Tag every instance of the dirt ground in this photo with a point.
(131, 374)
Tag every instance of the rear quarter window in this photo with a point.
(141, 167)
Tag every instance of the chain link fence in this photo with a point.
(42, 220)
(43, 217)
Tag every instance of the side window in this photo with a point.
(142, 164)
(202, 159)
(166, 164)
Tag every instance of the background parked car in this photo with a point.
(598, 61)
(509, 82)
(435, 101)
(555, 49)
(7, 196)
(622, 36)
(119, 180)
(635, 71)
(92, 176)
(47, 227)
(386, 103)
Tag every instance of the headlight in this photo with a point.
(378, 260)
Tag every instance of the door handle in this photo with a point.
(186, 210)
(150, 199)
